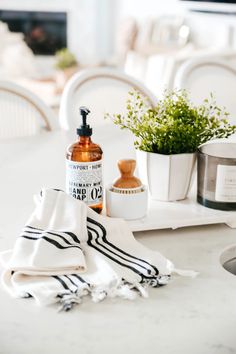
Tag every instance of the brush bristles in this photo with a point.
(127, 191)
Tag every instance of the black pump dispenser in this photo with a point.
(84, 129)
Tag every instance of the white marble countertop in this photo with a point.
(196, 316)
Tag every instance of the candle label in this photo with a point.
(84, 181)
(225, 184)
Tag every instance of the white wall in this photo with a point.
(94, 22)
(207, 29)
(91, 24)
(146, 8)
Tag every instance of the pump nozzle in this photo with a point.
(84, 129)
(84, 111)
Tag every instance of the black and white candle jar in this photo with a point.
(216, 176)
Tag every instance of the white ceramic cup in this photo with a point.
(127, 206)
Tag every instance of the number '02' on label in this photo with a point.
(84, 181)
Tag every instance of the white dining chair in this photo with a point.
(204, 76)
(102, 90)
(21, 112)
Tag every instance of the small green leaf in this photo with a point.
(175, 125)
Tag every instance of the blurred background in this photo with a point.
(43, 42)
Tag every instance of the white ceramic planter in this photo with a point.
(168, 176)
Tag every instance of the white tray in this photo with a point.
(164, 215)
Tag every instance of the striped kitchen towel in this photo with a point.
(67, 251)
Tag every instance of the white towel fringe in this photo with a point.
(123, 290)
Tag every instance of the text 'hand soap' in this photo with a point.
(84, 167)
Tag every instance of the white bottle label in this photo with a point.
(225, 184)
(84, 181)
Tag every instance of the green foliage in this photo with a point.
(65, 59)
(175, 125)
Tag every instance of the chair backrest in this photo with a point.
(102, 90)
(204, 76)
(21, 112)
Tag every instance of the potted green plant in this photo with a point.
(168, 137)
(66, 65)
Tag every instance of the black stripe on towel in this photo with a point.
(71, 280)
(104, 233)
(53, 242)
(71, 234)
(90, 239)
(80, 279)
(72, 289)
(114, 253)
(33, 232)
(72, 286)
(62, 237)
(50, 233)
(43, 234)
(65, 286)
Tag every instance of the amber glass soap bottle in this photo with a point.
(84, 167)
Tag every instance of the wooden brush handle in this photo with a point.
(127, 179)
